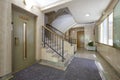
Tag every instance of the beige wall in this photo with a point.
(88, 32)
(111, 55)
(96, 34)
(73, 32)
(5, 33)
(50, 17)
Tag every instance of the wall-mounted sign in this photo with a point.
(24, 17)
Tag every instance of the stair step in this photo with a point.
(59, 65)
(58, 48)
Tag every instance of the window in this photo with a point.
(101, 33)
(106, 31)
(110, 36)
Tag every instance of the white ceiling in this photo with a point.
(43, 3)
(64, 22)
(46, 4)
(78, 8)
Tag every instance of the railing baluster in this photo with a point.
(62, 50)
(51, 39)
(61, 45)
(44, 36)
(55, 42)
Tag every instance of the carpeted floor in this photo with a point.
(79, 69)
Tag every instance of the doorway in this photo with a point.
(23, 39)
(80, 39)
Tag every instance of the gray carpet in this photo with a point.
(79, 69)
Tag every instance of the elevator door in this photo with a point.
(23, 39)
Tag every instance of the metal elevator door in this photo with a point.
(23, 39)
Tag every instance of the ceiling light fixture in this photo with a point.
(28, 4)
(87, 15)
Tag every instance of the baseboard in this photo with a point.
(52, 64)
(7, 77)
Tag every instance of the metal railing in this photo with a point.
(53, 41)
(66, 38)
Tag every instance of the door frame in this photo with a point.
(84, 38)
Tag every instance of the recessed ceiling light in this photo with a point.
(28, 4)
(87, 15)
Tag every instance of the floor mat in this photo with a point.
(78, 69)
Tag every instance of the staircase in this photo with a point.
(57, 51)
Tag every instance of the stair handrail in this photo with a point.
(53, 32)
(63, 35)
(55, 29)
(53, 38)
